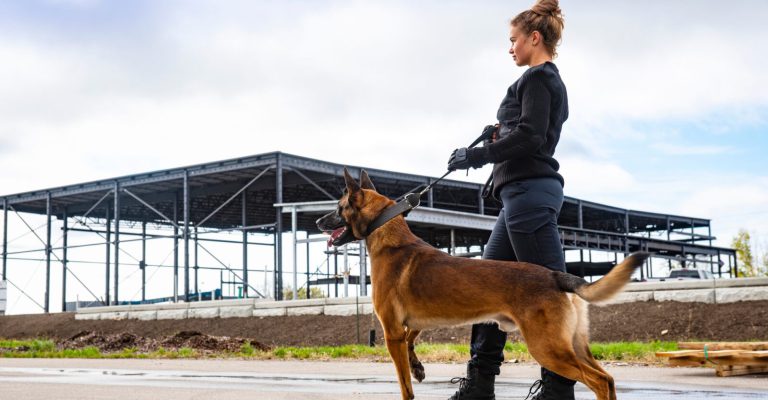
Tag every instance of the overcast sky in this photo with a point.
(668, 99)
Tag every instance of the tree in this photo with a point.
(314, 292)
(748, 265)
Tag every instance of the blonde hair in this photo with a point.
(545, 17)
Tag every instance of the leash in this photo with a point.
(412, 199)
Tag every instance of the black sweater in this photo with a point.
(530, 118)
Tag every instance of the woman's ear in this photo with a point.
(535, 38)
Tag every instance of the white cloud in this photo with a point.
(678, 149)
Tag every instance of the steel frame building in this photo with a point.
(275, 193)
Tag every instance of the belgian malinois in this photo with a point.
(417, 287)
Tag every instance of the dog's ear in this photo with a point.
(365, 181)
(352, 185)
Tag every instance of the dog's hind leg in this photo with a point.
(417, 370)
(394, 336)
(550, 343)
(581, 343)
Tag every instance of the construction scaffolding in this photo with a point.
(266, 198)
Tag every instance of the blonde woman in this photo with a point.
(526, 181)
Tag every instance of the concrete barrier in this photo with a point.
(172, 314)
(143, 315)
(705, 291)
(236, 312)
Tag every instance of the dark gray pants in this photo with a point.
(525, 231)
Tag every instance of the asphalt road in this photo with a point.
(64, 379)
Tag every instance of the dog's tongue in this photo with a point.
(335, 235)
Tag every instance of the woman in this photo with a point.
(526, 180)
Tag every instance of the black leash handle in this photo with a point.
(485, 135)
(413, 199)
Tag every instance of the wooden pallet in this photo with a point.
(754, 346)
(728, 358)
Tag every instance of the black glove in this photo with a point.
(465, 158)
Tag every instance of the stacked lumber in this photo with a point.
(728, 358)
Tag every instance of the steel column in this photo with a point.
(245, 245)
(109, 244)
(480, 202)
(294, 227)
(346, 271)
(197, 267)
(363, 269)
(143, 263)
(48, 207)
(176, 247)
(626, 231)
(430, 195)
(186, 235)
(117, 242)
(308, 271)
(5, 237)
(64, 264)
(278, 229)
(581, 215)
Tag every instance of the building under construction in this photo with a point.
(271, 201)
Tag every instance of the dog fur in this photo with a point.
(418, 287)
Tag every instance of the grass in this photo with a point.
(427, 352)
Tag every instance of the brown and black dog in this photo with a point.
(417, 287)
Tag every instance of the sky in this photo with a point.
(667, 100)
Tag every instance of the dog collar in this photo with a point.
(405, 205)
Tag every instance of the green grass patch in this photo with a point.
(427, 352)
(327, 352)
(630, 351)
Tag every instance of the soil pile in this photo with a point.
(200, 342)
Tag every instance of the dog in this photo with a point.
(416, 287)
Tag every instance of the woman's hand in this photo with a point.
(465, 158)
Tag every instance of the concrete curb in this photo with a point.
(709, 291)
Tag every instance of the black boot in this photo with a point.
(553, 387)
(476, 386)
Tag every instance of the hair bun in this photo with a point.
(547, 7)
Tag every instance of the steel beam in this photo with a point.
(156, 211)
(316, 186)
(234, 196)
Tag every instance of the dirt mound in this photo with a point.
(185, 339)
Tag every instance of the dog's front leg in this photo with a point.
(416, 368)
(394, 335)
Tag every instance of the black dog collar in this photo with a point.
(405, 205)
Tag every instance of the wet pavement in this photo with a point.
(278, 380)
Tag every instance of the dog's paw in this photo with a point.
(417, 370)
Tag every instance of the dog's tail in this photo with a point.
(606, 287)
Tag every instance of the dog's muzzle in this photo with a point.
(340, 232)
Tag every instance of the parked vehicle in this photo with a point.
(688, 273)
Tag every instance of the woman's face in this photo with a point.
(522, 47)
